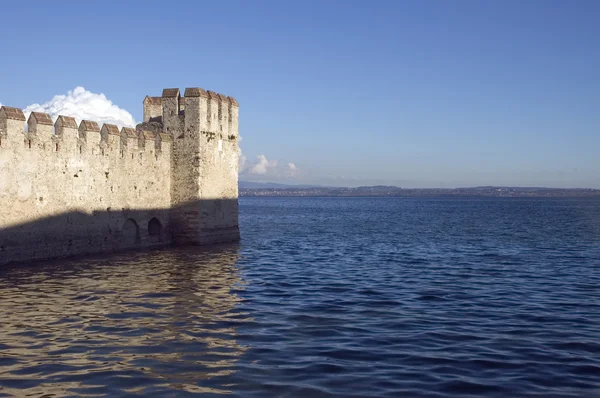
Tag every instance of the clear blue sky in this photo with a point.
(415, 93)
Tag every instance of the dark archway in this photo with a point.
(131, 233)
(155, 230)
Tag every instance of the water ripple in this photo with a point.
(324, 297)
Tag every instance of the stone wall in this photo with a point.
(69, 189)
(81, 189)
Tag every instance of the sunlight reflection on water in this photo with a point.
(140, 319)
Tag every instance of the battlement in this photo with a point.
(198, 108)
(170, 179)
(65, 135)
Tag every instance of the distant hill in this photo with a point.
(267, 185)
(376, 188)
(272, 189)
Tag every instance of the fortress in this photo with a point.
(68, 189)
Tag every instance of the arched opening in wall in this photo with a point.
(131, 233)
(155, 230)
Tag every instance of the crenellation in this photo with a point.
(110, 137)
(195, 115)
(114, 141)
(40, 130)
(223, 116)
(195, 92)
(128, 132)
(171, 119)
(110, 129)
(213, 112)
(152, 109)
(12, 126)
(42, 118)
(66, 134)
(39, 119)
(64, 122)
(170, 93)
(88, 188)
(150, 135)
(89, 134)
(234, 109)
(87, 128)
(146, 140)
(128, 139)
(165, 138)
(233, 101)
(164, 143)
(7, 112)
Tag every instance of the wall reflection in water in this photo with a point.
(152, 323)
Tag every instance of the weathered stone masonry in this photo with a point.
(68, 189)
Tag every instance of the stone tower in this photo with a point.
(204, 165)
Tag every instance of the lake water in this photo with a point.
(324, 297)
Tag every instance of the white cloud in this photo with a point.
(262, 165)
(83, 104)
(292, 172)
(242, 159)
(266, 169)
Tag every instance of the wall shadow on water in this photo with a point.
(115, 230)
(155, 322)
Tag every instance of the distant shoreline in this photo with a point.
(384, 191)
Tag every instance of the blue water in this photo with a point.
(324, 297)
